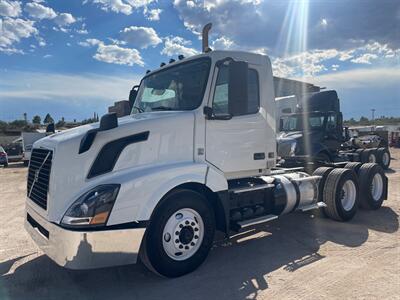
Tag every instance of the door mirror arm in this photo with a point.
(208, 112)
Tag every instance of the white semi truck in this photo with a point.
(197, 154)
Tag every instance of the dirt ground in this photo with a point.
(296, 256)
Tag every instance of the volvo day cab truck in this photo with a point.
(315, 132)
(196, 155)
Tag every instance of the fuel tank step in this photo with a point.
(251, 222)
(312, 206)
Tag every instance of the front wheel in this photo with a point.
(180, 234)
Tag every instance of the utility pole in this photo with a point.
(373, 118)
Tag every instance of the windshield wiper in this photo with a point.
(161, 108)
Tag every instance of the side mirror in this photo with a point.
(132, 95)
(237, 87)
(50, 128)
(108, 121)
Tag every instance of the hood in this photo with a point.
(288, 136)
(170, 139)
(286, 139)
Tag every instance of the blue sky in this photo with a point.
(73, 58)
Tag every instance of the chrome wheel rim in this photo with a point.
(372, 158)
(183, 234)
(385, 159)
(348, 195)
(377, 187)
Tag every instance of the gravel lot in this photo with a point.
(297, 256)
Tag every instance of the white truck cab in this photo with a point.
(196, 155)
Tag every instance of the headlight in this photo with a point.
(93, 207)
(293, 149)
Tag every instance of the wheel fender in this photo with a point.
(141, 192)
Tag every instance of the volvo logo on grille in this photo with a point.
(36, 178)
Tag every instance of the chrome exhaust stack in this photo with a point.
(206, 29)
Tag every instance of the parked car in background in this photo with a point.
(3, 157)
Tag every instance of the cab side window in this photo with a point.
(220, 101)
(331, 123)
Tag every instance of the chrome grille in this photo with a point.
(39, 176)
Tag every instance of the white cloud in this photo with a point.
(176, 46)
(141, 37)
(64, 19)
(39, 11)
(10, 8)
(152, 14)
(114, 54)
(360, 78)
(12, 31)
(223, 43)
(66, 88)
(122, 6)
(365, 58)
(313, 62)
(89, 42)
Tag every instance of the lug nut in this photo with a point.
(176, 241)
(192, 244)
(177, 232)
(192, 224)
(186, 247)
(187, 222)
(196, 237)
(180, 247)
(196, 229)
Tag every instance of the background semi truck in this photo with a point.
(197, 154)
(315, 132)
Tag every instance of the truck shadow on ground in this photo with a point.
(235, 269)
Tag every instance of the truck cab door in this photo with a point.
(333, 132)
(236, 143)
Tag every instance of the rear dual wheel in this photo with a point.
(373, 184)
(180, 234)
(383, 157)
(341, 193)
(368, 156)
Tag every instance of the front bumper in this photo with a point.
(84, 250)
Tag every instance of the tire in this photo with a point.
(372, 182)
(341, 194)
(26, 163)
(368, 156)
(6, 165)
(193, 230)
(323, 172)
(355, 166)
(359, 152)
(383, 157)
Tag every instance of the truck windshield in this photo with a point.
(180, 87)
(296, 122)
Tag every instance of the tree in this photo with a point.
(48, 119)
(36, 120)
